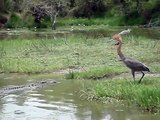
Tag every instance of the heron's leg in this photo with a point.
(141, 77)
(133, 73)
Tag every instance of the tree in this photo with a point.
(53, 8)
(38, 12)
(42, 9)
(53, 11)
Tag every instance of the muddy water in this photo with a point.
(59, 102)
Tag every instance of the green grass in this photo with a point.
(47, 55)
(96, 73)
(139, 48)
(97, 56)
(112, 21)
(146, 95)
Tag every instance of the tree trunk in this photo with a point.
(54, 21)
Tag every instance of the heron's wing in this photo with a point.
(135, 65)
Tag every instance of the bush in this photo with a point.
(15, 22)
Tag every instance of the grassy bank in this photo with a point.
(145, 95)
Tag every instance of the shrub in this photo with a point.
(15, 22)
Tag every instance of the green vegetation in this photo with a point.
(96, 73)
(112, 21)
(15, 22)
(145, 95)
(95, 56)
(44, 55)
(141, 48)
(46, 13)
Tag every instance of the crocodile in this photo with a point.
(30, 86)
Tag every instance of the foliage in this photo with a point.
(15, 21)
(122, 12)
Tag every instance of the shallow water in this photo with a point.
(60, 102)
(95, 32)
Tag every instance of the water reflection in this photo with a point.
(13, 34)
(60, 102)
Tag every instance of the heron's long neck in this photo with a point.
(119, 52)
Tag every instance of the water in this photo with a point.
(153, 33)
(60, 102)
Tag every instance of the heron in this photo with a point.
(134, 65)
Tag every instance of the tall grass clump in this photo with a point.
(149, 99)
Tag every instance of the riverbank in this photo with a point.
(144, 95)
(88, 56)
